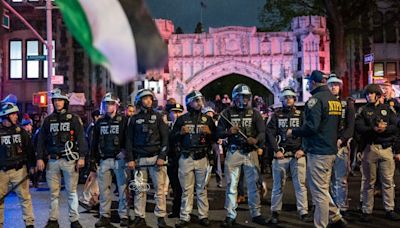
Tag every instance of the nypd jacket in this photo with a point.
(249, 121)
(347, 120)
(147, 136)
(108, 137)
(282, 120)
(321, 120)
(195, 141)
(369, 116)
(58, 130)
(15, 147)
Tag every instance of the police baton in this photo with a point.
(240, 132)
(14, 187)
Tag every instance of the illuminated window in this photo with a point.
(379, 70)
(15, 59)
(32, 66)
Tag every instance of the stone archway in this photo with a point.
(222, 69)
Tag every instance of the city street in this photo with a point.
(289, 218)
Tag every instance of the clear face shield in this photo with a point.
(309, 85)
(288, 101)
(198, 103)
(242, 100)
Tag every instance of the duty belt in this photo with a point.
(288, 154)
(196, 155)
(241, 149)
(17, 166)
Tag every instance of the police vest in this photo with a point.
(11, 146)
(61, 130)
(146, 129)
(109, 136)
(244, 120)
(287, 119)
(195, 139)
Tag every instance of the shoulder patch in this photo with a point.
(80, 120)
(311, 103)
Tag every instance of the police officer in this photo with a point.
(107, 151)
(319, 134)
(147, 145)
(15, 152)
(174, 111)
(376, 122)
(245, 130)
(288, 156)
(195, 132)
(62, 140)
(341, 168)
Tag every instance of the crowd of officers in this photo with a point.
(312, 145)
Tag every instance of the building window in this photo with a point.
(45, 68)
(321, 43)
(299, 64)
(377, 27)
(298, 44)
(391, 71)
(379, 70)
(390, 27)
(322, 63)
(15, 59)
(32, 66)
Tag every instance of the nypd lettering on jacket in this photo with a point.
(11, 139)
(57, 127)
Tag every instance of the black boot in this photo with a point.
(102, 222)
(161, 222)
(228, 222)
(138, 222)
(182, 224)
(52, 224)
(76, 224)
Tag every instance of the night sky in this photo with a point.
(218, 13)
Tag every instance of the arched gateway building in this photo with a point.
(213, 62)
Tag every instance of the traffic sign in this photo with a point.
(57, 79)
(369, 58)
(36, 57)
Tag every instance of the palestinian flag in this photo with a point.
(118, 34)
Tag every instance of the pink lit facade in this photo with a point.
(275, 59)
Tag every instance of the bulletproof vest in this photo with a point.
(287, 118)
(61, 130)
(11, 147)
(342, 120)
(109, 138)
(244, 120)
(194, 122)
(146, 129)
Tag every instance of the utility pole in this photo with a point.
(49, 46)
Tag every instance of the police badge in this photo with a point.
(312, 102)
(69, 116)
(119, 118)
(18, 129)
(384, 112)
(203, 119)
(153, 117)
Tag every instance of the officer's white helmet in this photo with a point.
(244, 91)
(142, 93)
(334, 79)
(58, 94)
(8, 108)
(192, 96)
